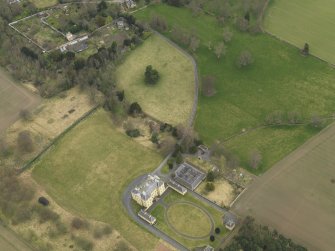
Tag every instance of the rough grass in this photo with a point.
(88, 170)
(280, 79)
(304, 21)
(171, 99)
(159, 213)
(13, 99)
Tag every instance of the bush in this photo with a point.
(25, 115)
(122, 246)
(45, 214)
(107, 230)
(217, 230)
(83, 243)
(22, 214)
(78, 223)
(209, 187)
(43, 201)
(210, 176)
(134, 133)
(212, 238)
(25, 142)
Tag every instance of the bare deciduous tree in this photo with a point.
(220, 49)
(194, 43)
(227, 35)
(255, 159)
(244, 59)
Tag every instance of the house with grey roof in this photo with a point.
(189, 176)
(150, 188)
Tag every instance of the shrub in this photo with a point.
(43, 201)
(78, 223)
(45, 214)
(209, 186)
(25, 142)
(83, 243)
(154, 138)
(217, 230)
(122, 246)
(133, 133)
(212, 238)
(25, 115)
(107, 230)
(210, 176)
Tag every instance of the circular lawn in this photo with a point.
(189, 220)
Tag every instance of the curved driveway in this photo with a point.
(126, 198)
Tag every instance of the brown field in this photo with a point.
(13, 99)
(297, 196)
(10, 242)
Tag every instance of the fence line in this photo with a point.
(55, 140)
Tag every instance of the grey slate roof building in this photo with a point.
(189, 176)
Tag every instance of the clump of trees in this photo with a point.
(252, 236)
(151, 75)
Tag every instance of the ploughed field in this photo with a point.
(296, 197)
(298, 22)
(13, 99)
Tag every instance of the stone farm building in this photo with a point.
(145, 193)
(189, 176)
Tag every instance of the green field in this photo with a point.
(175, 216)
(308, 21)
(280, 79)
(88, 169)
(171, 99)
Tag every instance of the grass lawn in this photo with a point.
(44, 3)
(88, 170)
(171, 99)
(280, 79)
(308, 21)
(193, 223)
(189, 220)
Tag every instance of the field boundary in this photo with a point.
(57, 138)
